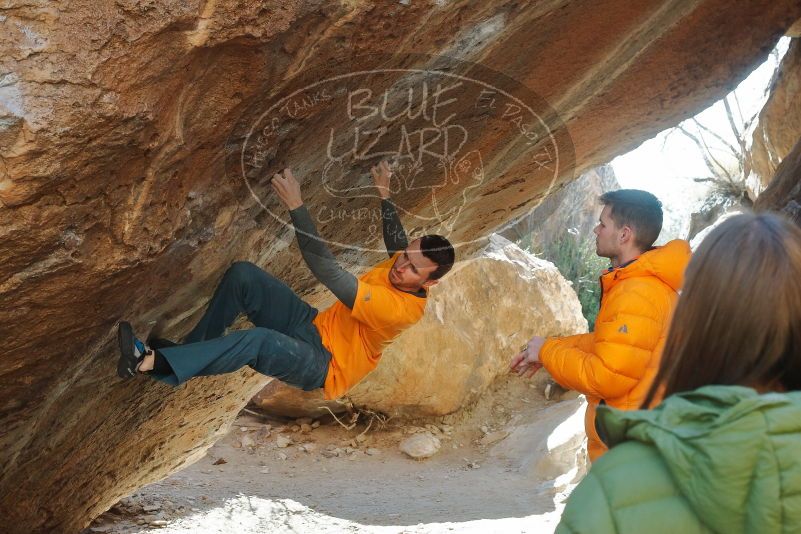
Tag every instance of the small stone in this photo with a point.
(305, 428)
(493, 437)
(373, 451)
(282, 442)
(309, 447)
(248, 442)
(315, 424)
(243, 429)
(158, 523)
(140, 521)
(420, 446)
(195, 509)
(295, 428)
(265, 471)
(484, 429)
(282, 456)
(361, 438)
(236, 445)
(220, 461)
(329, 454)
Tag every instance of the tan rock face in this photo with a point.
(476, 319)
(574, 207)
(122, 125)
(278, 399)
(779, 125)
(776, 150)
(784, 192)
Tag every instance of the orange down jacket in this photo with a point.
(618, 361)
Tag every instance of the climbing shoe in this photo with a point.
(132, 350)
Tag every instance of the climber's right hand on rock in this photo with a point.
(288, 189)
(381, 175)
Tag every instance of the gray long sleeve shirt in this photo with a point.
(322, 262)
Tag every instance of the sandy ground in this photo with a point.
(506, 465)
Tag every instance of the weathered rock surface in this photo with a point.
(776, 150)
(476, 319)
(278, 399)
(714, 208)
(575, 207)
(121, 124)
(784, 192)
(779, 124)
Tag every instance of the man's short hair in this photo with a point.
(439, 250)
(637, 209)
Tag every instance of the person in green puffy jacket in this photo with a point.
(722, 452)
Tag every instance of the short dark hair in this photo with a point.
(638, 209)
(439, 250)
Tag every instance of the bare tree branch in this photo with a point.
(740, 139)
(714, 166)
(732, 123)
(731, 147)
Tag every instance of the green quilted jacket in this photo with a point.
(721, 459)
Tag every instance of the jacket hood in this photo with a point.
(667, 263)
(731, 451)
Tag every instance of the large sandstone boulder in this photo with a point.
(491, 306)
(776, 150)
(779, 123)
(476, 319)
(135, 138)
(784, 192)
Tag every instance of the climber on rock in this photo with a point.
(333, 349)
(617, 362)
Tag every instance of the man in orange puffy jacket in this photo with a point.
(616, 363)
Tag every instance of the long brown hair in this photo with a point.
(738, 320)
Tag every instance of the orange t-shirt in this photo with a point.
(355, 338)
